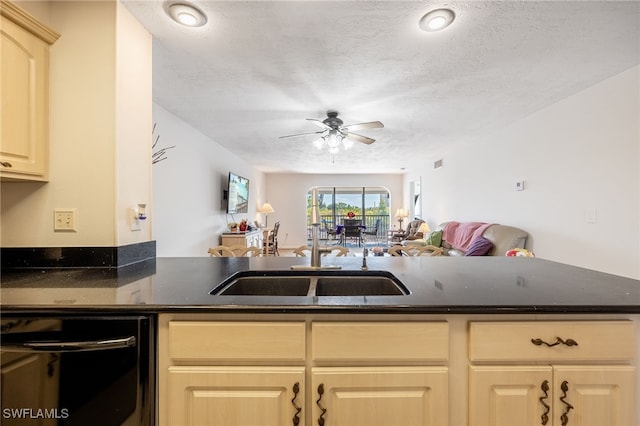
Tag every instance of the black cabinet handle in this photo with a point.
(545, 416)
(296, 418)
(5, 164)
(324, 410)
(55, 345)
(564, 419)
(568, 342)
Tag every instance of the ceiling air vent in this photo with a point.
(437, 164)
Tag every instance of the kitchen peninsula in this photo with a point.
(527, 334)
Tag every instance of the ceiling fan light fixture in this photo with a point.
(186, 14)
(437, 19)
(335, 136)
(334, 139)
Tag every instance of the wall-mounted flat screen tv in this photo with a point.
(238, 194)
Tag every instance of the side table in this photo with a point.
(395, 235)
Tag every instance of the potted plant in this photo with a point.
(233, 227)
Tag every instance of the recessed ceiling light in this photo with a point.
(437, 19)
(186, 14)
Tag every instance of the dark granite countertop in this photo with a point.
(437, 284)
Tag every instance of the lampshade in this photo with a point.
(402, 213)
(266, 208)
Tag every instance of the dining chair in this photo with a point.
(330, 231)
(221, 251)
(353, 229)
(271, 243)
(304, 251)
(399, 250)
(243, 251)
(371, 232)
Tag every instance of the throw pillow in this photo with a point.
(479, 247)
(434, 238)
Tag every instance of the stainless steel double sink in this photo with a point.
(311, 283)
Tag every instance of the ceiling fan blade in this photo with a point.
(363, 126)
(359, 138)
(302, 134)
(319, 123)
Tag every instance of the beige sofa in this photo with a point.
(502, 237)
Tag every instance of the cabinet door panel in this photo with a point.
(599, 395)
(382, 396)
(239, 396)
(23, 89)
(509, 396)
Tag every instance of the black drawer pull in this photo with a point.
(559, 341)
(296, 418)
(324, 410)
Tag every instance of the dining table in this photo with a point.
(341, 231)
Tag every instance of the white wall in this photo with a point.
(288, 194)
(578, 157)
(189, 211)
(134, 123)
(92, 144)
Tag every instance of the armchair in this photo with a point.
(416, 230)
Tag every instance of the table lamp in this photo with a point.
(401, 214)
(266, 209)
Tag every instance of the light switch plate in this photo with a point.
(65, 220)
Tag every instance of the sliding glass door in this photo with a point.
(370, 205)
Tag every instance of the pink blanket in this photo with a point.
(461, 235)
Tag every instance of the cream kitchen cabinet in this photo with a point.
(385, 396)
(24, 90)
(256, 373)
(227, 396)
(552, 373)
(231, 373)
(362, 377)
(397, 370)
(243, 239)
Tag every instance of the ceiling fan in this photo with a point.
(334, 134)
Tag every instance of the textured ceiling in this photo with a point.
(256, 70)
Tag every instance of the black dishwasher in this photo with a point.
(69, 370)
